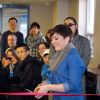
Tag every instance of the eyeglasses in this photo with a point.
(70, 24)
(20, 52)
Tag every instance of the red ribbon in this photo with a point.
(46, 94)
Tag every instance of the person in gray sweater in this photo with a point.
(81, 43)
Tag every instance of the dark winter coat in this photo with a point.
(28, 75)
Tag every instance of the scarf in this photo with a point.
(59, 57)
(33, 41)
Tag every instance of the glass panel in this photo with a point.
(20, 12)
(90, 16)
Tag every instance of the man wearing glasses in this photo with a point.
(80, 42)
(28, 72)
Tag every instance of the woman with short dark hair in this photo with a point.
(66, 67)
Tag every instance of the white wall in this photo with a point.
(50, 15)
(43, 15)
(60, 11)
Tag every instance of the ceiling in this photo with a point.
(45, 2)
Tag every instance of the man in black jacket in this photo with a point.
(28, 73)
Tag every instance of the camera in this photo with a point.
(8, 58)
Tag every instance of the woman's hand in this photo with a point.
(41, 89)
(37, 88)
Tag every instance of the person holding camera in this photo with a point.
(7, 61)
(9, 68)
(11, 41)
(11, 60)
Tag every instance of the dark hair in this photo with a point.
(13, 52)
(49, 31)
(75, 22)
(45, 43)
(61, 29)
(71, 18)
(25, 46)
(12, 18)
(35, 24)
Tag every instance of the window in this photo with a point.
(21, 12)
(86, 20)
(23, 29)
(90, 16)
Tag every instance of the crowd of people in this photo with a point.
(53, 62)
